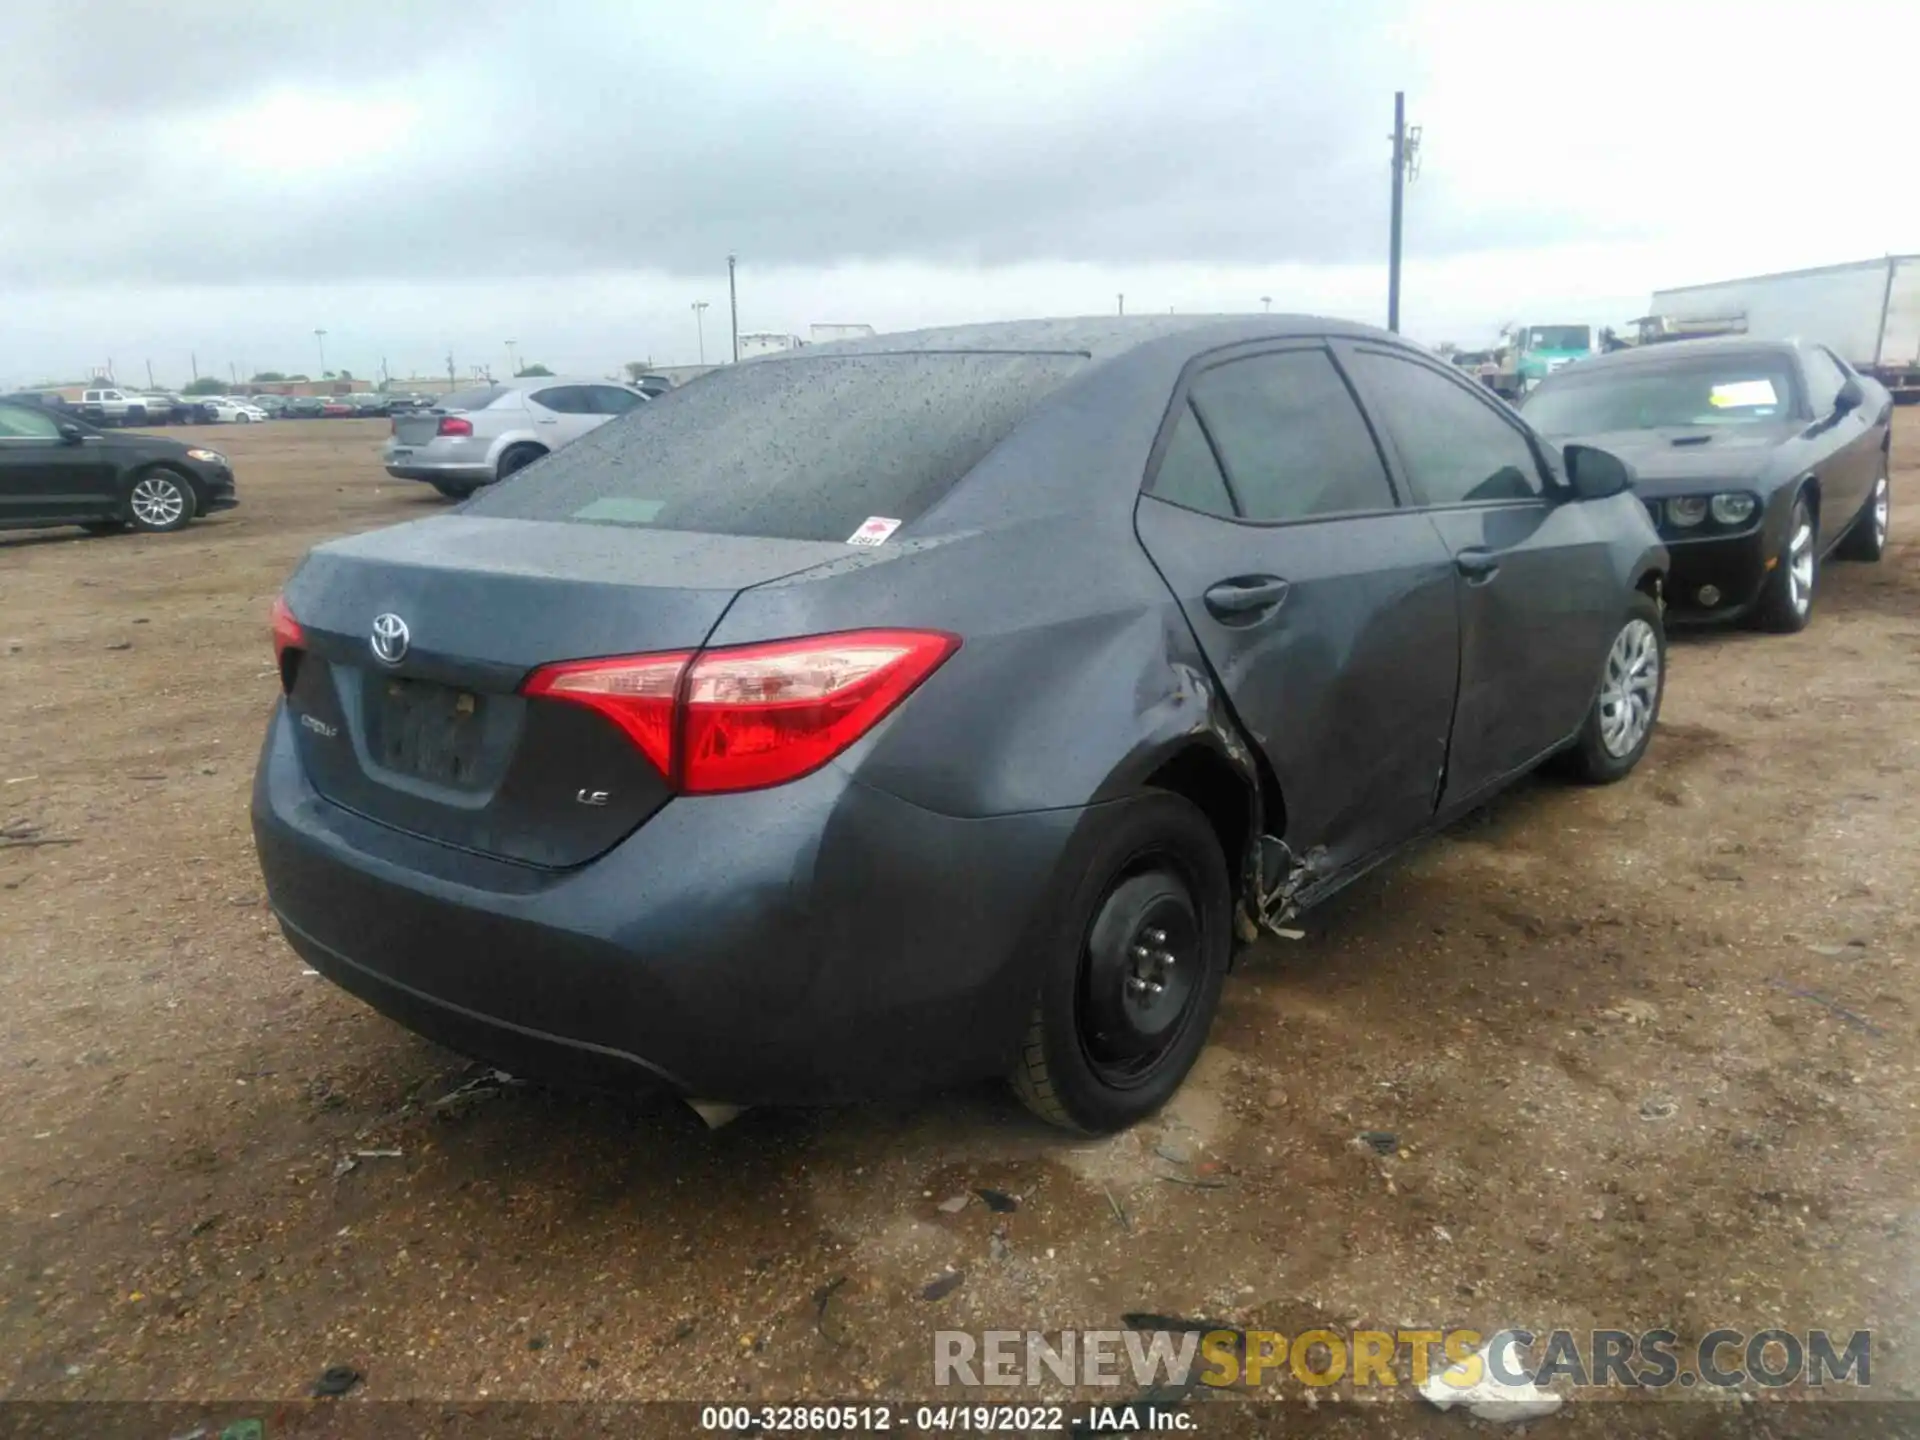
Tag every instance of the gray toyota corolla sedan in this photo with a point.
(938, 706)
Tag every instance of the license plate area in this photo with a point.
(427, 731)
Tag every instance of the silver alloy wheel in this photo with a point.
(1882, 507)
(159, 501)
(1800, 565)
(1630, 688)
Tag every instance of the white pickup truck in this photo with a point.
(108, 406)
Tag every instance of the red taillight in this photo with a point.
(287, 635)
(636, 693)
(454, 425)
(753, 715)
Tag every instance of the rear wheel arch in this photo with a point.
(517, 456)
(1220, 790)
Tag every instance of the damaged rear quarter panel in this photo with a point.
(1076, 677)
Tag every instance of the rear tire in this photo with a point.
(1867, 540)
(161, 502)
(518, 458)
(1619, 724)
(1786, 601)
(452, 491)
(1132, 955)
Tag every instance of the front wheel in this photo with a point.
(1867, 540)
(161, 501)
(1786, 601)
(1620, 724)
(1131, 962)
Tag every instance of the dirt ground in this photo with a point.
(1647, 1052)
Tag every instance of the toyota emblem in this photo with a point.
(390, 638)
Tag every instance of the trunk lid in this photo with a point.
(432, 736)
(417, 428)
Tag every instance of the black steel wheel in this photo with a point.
(1132, 958)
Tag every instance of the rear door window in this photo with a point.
(563, 399)
(1291, 437)
(1188, 473)
(801, 449)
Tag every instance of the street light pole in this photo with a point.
(733, 304)
(321, 336)
(1266, 304)
(700, 328)
(1406, 166)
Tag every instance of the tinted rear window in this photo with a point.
(473, 399)
(795, 449)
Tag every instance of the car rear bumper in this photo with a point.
(1735, 568)
(449, 474)
(813, 943)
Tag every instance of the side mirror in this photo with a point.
(70, 433)
(1849, 398)
(1596, 474)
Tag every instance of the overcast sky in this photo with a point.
(429, 178)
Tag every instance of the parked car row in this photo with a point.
(1015, 671)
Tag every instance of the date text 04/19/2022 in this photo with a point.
(943, 1419)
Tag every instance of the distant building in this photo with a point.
(767, 342)
(827, 334)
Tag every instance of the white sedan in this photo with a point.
(235, 411)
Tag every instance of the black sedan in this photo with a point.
(57, 471)
(1756, 461)
(937, 706)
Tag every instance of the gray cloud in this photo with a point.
(595, 138)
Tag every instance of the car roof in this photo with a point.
(541, 382)
(1101, 337)
(1675, 351)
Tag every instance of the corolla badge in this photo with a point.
(390, 638)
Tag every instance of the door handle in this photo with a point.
(1479, 566)
(1245, 596)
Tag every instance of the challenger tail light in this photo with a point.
(750, 716)
(454, 425)
(287, 636)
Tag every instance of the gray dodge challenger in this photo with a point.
(938, 706)
(1756, 460)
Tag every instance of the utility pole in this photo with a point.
(193, 364)
(1123, 302)
(451, 379)
(234, 371)
(699, 327)
(150, 384)
(1406, 166)
(321, 336)
(733, 303)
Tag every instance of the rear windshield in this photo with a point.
(806, 449)
(473, 399)
(1720, 391)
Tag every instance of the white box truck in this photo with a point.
(1867, 312)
